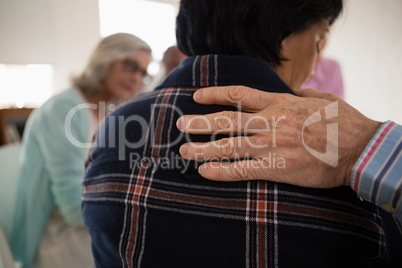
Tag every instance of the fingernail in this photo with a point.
(184, 149)
(181, 123)
(203, 170)
(198, 94)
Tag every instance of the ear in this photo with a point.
(286, 46)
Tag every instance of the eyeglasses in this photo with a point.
(133, 66)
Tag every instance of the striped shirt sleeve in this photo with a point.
(377, 175)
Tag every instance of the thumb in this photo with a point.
(309, 92)
(313, 93)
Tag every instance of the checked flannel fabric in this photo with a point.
(145, 206)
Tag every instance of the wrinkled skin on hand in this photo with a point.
(276, 130)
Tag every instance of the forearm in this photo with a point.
(64, 160)
(67, 191)
(377, 175)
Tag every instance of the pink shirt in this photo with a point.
(327, 77)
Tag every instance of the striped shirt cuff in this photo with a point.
(377, 175)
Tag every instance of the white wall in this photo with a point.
(75, 34)
(367, 41)
(58, 32)
(25, 32)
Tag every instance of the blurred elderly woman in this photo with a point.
(48, 226)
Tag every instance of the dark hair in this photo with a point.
(254, 28)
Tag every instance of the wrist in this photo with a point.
(371, 127)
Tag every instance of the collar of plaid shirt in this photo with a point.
(146, 207)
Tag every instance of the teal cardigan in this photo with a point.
(51, 172)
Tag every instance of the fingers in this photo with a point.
(245, 98)
(228, 148)
(268, 170)
(225, 122)
(238, 171)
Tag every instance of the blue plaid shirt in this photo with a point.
(145, 206)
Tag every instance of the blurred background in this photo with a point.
(44, 42)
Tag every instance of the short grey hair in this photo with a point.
(110, 49)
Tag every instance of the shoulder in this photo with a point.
(146, 104)
(54, 111)
(135, 124)
(329, 64)
(62, 103)
(69, 97)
